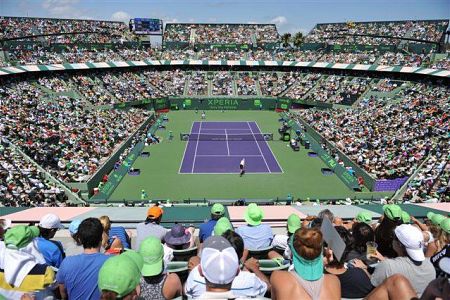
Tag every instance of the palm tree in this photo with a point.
(298, 39)
(286, 39)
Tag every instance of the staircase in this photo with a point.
(234, 84)
(186, 85)
(3, 58)
(313, 88)
(258, 87)
(364, 95)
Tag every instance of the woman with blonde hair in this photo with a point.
(111, 245)
(307, 280)
(440, 229)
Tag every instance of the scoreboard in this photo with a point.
(146, 26)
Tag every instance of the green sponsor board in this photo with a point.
(187, 103)
(158, 103)
(229, 103)
(360, 47)
(116, 177)
(312, 103)
(284, 103)
(225, 104)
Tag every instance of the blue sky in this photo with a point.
(289, 15)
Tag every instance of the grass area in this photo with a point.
(302, 175)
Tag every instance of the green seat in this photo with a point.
(185, 254)
(267, 266)
(279, 250)
(260, 253)
(177, 266)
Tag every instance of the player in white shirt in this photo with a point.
(242, 167)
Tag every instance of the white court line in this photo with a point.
(228, 147)
(185, 148)
(267, 144)
(206, 129)
(231, 155)
(196, 146)
(230, 173)
(268, 169)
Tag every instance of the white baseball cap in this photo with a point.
(412, 238)
(219, 261)
(50, 221)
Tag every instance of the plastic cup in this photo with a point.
(371, 249)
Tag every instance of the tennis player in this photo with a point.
(203, 115)
(242, 167)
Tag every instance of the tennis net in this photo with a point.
(226, 137)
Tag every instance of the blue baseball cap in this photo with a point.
(73, 227)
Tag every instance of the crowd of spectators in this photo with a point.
(443, 63)
(22, 184)
(246, 84)
(367, 58)
(221, 33)
(169, 83)
(222, 83)
(401, 59)
(99, 31)
(38, 54)
(88, 47)
(347, 33)
(198, 83)
(303, 85)
(387, 85)
(93, 90)
(394, 257)
(432, 183)
(339, 90)
(275, 83)
(59, 134)
(55, 84)
(387, 139)
(128, 86)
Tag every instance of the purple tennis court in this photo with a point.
(218, 148)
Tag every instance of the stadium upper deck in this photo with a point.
(221, 33)
(111, 41)
(347, 33)
(99, 31)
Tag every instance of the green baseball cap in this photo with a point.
(406, 218)
(152, 252)
(364, 217)
(253, 214)
(222, 225)
(119, 274)
(217, 209)
(436, 219)
(19, 236)
(445, 225)
(392, 211)
(293, 223)
(136, 257)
